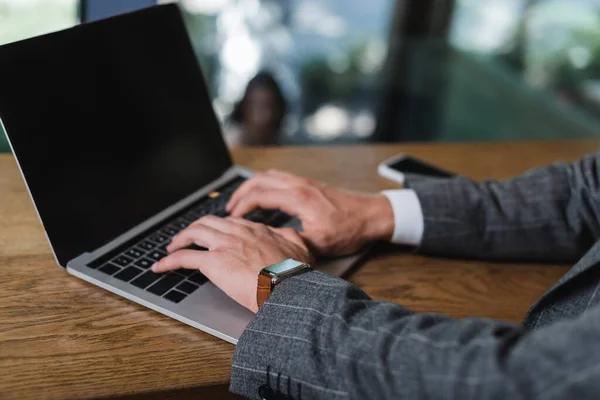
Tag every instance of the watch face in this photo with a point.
(283, 267)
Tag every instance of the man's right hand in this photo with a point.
(335, 222)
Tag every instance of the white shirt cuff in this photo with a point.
(408, 216)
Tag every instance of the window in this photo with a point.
(326, 55)
(20, 19)
(547, 50)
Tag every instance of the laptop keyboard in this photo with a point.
(131, 262)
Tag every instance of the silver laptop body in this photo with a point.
(140, 67)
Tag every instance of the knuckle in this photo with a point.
(326, 239)
(235, 220)
(304, 193)
(304, 181)
(192, 232)
(228, 241)
(192, 235)
(247, 229)
(169, 260)
(300, 192)
(254, 190)
(261, 229)
(253, 228)
(290, 232)
(194, 225)
(181, 258)
(240, 230)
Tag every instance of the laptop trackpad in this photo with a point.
(214, 309)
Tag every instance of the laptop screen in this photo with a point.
(111, 122)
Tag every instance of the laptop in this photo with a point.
(113, 130)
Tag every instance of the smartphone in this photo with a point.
(404, 169)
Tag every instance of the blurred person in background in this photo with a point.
(258, 117)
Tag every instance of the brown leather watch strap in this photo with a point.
(265, 285)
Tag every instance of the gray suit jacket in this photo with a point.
(319, 337)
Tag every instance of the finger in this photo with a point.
(281, 199)
(295, 179)
(188, 259)
(255, 181)
(260, 180)
(201, 235)
(249, 224)
(224, 225)
(218, 267)
(278, 172)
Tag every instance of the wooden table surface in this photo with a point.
(63, 338)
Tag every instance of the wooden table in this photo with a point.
(63, 338)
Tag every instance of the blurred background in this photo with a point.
(320, 72)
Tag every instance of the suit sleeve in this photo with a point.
(319, 337)
(548, 214)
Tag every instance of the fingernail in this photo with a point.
(154, 267)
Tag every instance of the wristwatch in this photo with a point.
(272, 275)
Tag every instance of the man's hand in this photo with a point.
(238, 250)
(335, 222)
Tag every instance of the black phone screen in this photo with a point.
(411, 166)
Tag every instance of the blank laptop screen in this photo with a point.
(111, 123)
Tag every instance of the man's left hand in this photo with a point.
(237, 250)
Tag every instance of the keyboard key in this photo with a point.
(196, 247)
(175, 296)
(128, 273)
(144, 263)
(110, 269)
(181, 224)
(158, 238)
(135, 252)
(193, 216)
(188, 218)
(198, 278)
(156, 255)
(280, 220)
(199, 211)
(187, 287)
(163, 248)
(256, 216)
(221, 213)
(146, 279)
(170, 231)
(122, 261)
(270, 216)
(186, 272)
(146, 245)
(165, 284)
